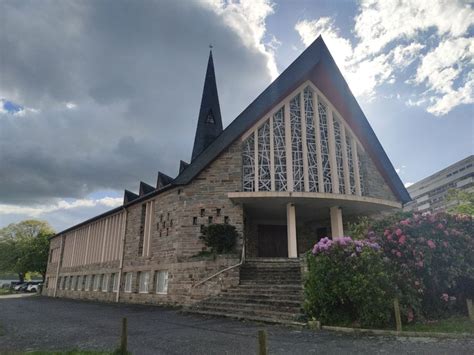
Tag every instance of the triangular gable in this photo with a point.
(315, 64)
(129, 196)
(182, 165)
(145, 188)
(163, 180)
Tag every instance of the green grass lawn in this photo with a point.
(5, 291)
(458, 324)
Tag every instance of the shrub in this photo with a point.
(348, 282)
(433, 259)
(220, 238)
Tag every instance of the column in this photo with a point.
(291, 230)
(336, 222)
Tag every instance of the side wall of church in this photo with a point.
(176, 221)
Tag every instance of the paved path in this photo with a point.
(40, 323)
(17, 295)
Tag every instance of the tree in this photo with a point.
(464, 201)
(24, 247)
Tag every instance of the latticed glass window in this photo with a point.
(296, 144)
(279, 149)
(350, 163)
(323, 129)
(339, 155)
(248, 164)
(264, 174)
(128, 282)
(162, 282)
(361, 178)
(311, 141)
(144, 281)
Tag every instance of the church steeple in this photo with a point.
(209, 122)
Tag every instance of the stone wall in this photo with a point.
(374, 184)
(179, 214)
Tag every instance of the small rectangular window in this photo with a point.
(167, 231)
(218, 212)
(105, 283)
(171, 223)
(195, 221)
(144, 281)
(116, 282)
(162, 282)
(226, 219)
(128, 282)
(79, 282)
(202, 228)
(202, 212)
(97, 282)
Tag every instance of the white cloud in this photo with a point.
(60, 205)
(71, 105)
(247, 19)
(388, 40)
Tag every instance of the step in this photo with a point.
(249, 312)
(248, 317)
(254, 302)
(252, 308)
(262, 297)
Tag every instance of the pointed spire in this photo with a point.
(182, 165)
(163, 180)
(209, 122)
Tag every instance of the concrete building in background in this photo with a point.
(294, 166)
(430, 193)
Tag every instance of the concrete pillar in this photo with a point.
(336, 222)
(291, 231)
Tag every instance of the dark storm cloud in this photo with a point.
(135, 70)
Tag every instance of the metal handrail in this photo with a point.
(242, 260)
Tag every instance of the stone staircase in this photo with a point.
(270, 290)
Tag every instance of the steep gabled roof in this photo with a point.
(163, 180)
(182, 165)
(129, 196)
(209, 122)
(315, 64)
(145, 189)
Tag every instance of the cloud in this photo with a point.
(391, 35)
(111, 89)
(60, 205)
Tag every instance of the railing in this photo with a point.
(242, 260)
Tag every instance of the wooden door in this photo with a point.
(272, 241)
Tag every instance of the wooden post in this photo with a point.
(398, 318)
(123, 338)
(262, 342)
(470, 310)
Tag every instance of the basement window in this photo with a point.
(162, 282)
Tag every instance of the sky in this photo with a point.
(96, 96)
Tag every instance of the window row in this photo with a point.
(110, 282)
(303, 146)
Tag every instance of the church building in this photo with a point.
(295, 166)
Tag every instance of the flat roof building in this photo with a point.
(429, 194)
(294, 166)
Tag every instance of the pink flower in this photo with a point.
(399, 254)
(386, 232)
(445, 297)
(431, 244)
(440, 226)
(410, 315)
(398, 232)
(445, 244)
(402, 239)
(405, 222)
(419, 263)
(389, 237)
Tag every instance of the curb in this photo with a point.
(399, 333)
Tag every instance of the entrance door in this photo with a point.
(272, 241)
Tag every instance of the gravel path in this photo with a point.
(41, 323)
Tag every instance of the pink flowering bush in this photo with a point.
(348, 283)
(432, 256)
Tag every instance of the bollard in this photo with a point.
(470, 310)
(262, 342)
(398, 318)
(123, 338)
